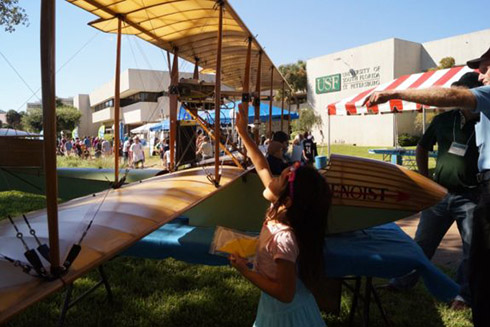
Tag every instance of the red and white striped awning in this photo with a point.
(440, 78)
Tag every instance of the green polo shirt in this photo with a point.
(456, 173)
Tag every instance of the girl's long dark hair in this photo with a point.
(307, 216)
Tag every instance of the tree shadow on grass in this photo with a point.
(154, 293)
(173, 294)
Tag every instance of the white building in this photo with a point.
(336, 76)
(3, 116)
(144, 99)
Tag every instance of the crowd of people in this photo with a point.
(131, 149)
(280, 154)
(86, 147)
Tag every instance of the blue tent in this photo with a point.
(226, 115)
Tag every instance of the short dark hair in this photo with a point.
(469, 80)
(280, 137)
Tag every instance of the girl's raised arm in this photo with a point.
(258, 159)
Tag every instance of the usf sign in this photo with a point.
(327, 84)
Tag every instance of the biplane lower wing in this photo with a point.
(365, 193)
(122, 217)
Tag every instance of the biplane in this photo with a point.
(43, 251)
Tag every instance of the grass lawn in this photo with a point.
(171, 293)
(175, 294)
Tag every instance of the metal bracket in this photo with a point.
(173, 89)
(68, 303)
(246, 97)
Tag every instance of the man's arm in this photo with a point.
(438, 97)
(422, 158)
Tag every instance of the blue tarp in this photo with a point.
(226, 115)
(383, 251)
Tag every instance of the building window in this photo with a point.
(135, 98)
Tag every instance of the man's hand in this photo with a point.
(379, 97)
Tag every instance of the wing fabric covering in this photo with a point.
(191, 26)
(122, 218)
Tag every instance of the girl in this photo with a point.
(289, 258)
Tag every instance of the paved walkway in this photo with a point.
(449, 252)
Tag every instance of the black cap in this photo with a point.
(469, 80)
(475, 63)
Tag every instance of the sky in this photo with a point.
(288, 30)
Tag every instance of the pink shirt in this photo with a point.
(276, 241)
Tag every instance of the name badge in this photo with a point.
(458, 149)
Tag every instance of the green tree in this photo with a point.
(14, 119)
(307, 121)
(12, 15)
(66, 119)
(295, 75)
(33, 120)
(444, 63)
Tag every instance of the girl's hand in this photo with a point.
(238, 262)
(241, 122)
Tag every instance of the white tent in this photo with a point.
(16, 133)
(143, 129)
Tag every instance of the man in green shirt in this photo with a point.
(456, 169)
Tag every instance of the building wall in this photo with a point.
(391, 58)
(86, 127)
(461, 47)
(370, 70)
(134, 81)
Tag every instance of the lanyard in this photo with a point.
(454, 133)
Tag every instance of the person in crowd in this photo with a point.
(159, 149)
(78, 148)
(283, 139)
(166, 155)
(125, 150)
(289, 261)
(205, 151)
(86, 142)
(199, 138)
(456, 169)
(138, 153)
(95, 140)
(155, 149)
(98, 149)
(275, 158)
(262, 139)
(309, 149)
(251, 133)
(68, 146)
(297, 151)
(85, 152)
(478, 100)
(106, 148)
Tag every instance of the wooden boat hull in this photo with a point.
(365, 193)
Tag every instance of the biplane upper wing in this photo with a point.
(191, 28)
